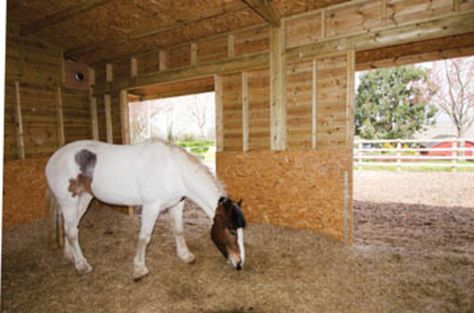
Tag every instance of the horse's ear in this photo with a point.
(239, 203)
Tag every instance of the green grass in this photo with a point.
(200, 148)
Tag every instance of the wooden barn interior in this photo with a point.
(282, 70)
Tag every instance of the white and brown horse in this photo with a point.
(155, 175)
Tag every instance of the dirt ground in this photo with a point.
(406, 257)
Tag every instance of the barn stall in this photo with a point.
(283, 73)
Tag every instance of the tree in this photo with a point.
(392, 103)
(199, 113)
(452, 86)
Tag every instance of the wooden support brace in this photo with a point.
(124, 117)
(109, 72)
(219, 96)
(60, 116)
(314, 106)
(108, 118)
(19, 123)
(245, 112)
(133, 67)
(350, 99)
(277, 89)
(193, 54)
(94, 118)
(230, 46)
(163, 60)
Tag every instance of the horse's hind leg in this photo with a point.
(83, 204)
(181, 247)
(72, 211)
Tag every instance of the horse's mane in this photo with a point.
(201, 169)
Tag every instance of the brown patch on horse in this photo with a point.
(80, 184)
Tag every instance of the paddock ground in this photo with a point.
(414, 253)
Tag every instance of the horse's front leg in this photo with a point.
(182, 249)
(150, 213)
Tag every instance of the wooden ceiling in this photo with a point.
(94, 31)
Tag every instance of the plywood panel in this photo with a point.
(259, 110)
(298, 189)
(179, 56)
(402, 11)
(232, 112)
(77, 115)
(149, 62)
(26, 204)
(353, 18)
(304, 29)
(116, 119)
(121, 69)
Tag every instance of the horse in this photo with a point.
(155, 175)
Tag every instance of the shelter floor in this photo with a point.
(401, 261)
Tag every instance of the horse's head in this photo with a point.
(227, 232)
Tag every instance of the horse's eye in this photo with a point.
(233, 232)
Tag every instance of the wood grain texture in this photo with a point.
(24, 187)
(298, 189)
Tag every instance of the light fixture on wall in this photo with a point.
(79, 76)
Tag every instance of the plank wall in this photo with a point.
(34, 98)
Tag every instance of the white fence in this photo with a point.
(449, 153)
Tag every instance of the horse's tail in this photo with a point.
(56, 232)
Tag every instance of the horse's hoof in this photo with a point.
(189, 258)
(83, 268)
(140, 273)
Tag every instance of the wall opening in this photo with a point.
(188, 121)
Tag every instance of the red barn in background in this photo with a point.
(447, 144)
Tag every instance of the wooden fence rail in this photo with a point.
(452, 153)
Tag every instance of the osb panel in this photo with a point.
(232, 115)
(303, 30)
(76, 115)
(292, 7)
(259, 110)
(353, 18)
(24, 187)
(149, 62)
(331, 85)
(212, 50)
(252, 41)
(401, 11)
(299, 92)
(298, 189)
(465, 5)
(179, 56)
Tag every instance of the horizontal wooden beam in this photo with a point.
(454, 24)
(218, 11)
(256, 61)
(61, 16)
(265, 9)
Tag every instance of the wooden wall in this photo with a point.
(40, 116)
(35, 98)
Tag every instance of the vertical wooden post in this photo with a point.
(454, 155)
(350, 100)
(277, 89)
(108, 118)
(219, 94)
(94, 118)
(456, 5)
(245, 112)
(63, 68)
(314, 106)
(230, 46)
(91, 76)
(60, 116)
(384, 12)
(19, 123)
(193, 53)
(133, 67)
(124, 117)
(163, 60)
(323, 23)
(399, 161)
(109, 72)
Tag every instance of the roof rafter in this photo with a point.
(61, 16)
(228, 8)
(265, 9)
